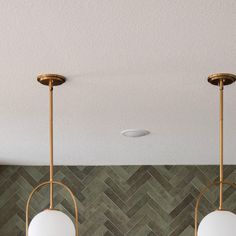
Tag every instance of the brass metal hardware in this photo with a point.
(221, 144)
(56, 80)
(220, 79)
(51, 140)
(72, 197)
(225, 77)
(51, 80)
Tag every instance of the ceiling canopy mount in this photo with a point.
(225, 77)
(55, 79)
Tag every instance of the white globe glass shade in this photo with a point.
(51, 223)
(218, 223)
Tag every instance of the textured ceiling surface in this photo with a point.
(130, 64)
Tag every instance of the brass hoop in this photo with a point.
(48, 183)
(202, 193)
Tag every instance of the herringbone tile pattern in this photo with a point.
(115, 200)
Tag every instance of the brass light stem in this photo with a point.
(221, 144)
(51, 140)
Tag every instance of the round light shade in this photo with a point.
(51, 223)
(218, 223)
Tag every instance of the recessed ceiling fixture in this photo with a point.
(134, 133)
(51, 222)
(220, 222)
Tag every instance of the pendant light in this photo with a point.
(220, 222)
(51, 222)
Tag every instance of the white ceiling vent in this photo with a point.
(134, 133)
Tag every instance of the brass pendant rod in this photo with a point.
(221, 144)
(51, 140)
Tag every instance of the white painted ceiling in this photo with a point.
(129, 64)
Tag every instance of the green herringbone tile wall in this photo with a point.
(115, 200)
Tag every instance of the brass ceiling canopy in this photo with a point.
(225, 77)
(54, 78)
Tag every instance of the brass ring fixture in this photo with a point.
(49, 183)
